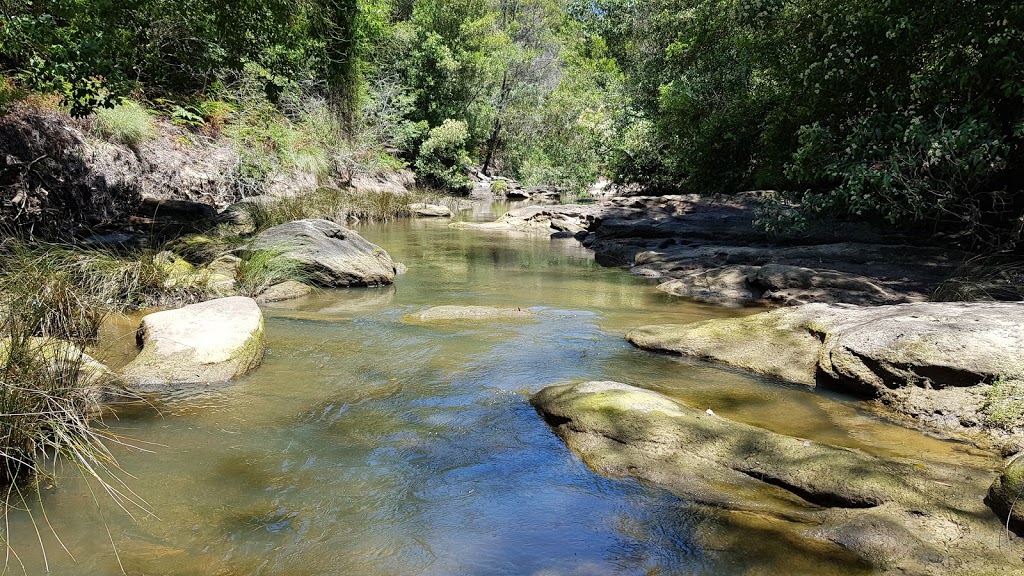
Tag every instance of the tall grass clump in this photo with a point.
(261, 269)
(985, 277)
(127, 123)
(329, 204)
(52, 302)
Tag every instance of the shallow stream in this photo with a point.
(366, 446)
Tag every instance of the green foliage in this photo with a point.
(127, 123)
(443, 158)
(301, 133)
(95, 51)
(499, 186)
(871, 109)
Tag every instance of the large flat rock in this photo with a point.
(565, 219)
(331, 255)
(909, 355)
(211, 342)
(708, 249)
(899, 516)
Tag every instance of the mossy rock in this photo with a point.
(211, 342)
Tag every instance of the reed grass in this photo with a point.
(330, 204)
(261, 269)
(52, 302)
(985, 277)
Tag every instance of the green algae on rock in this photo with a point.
(896, 515)
(467, 313)
(923, 359)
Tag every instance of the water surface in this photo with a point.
(365, 445)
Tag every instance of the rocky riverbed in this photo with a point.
(707, 249)
(856, 319)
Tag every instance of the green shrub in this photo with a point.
(499, 186)
(443, 158)
(127, 123)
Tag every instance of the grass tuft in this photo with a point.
(985, 277)
(127, 123)
(1003, 406)
(261, 269)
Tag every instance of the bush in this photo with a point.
(499, 186)
(443, 158)
(127, 123)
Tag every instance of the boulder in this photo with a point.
(59, 356)
(1006, 496)
(179, 274)
(422, 210)
(240, 213)
(729, 286)
(211, 342)
(901, 517)
(914, 357)
(467, 313)
(331, 255)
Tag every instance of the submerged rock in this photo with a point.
(900, 516)
(211, 342)
(467, 313)
(914, 357)
(287, 290)
(332, 255)
(430, 211)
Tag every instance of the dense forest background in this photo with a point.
(880, 110)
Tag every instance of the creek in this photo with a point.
(366, 445)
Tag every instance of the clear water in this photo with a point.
(368, 446)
